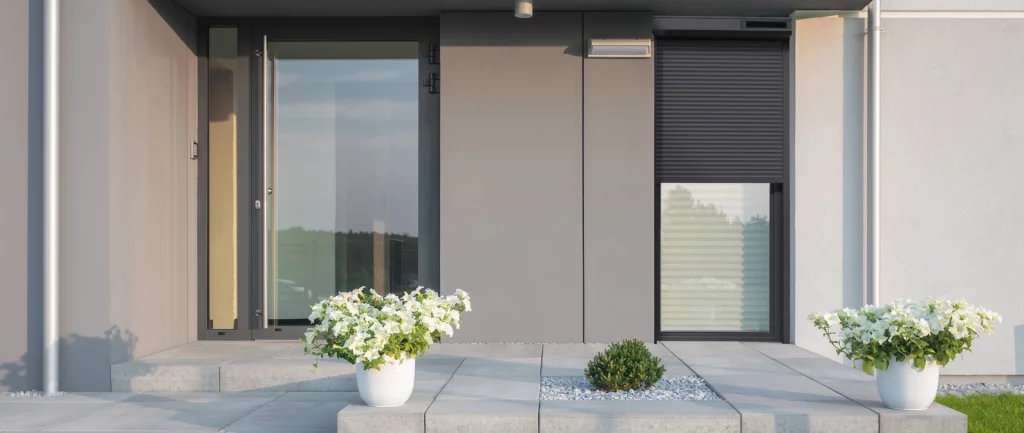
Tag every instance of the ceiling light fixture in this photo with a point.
(524, 8)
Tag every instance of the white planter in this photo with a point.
(390, 386)
(904, 387)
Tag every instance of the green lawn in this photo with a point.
(1003, 413)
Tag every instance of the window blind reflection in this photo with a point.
(715, 257)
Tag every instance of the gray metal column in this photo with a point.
(51, 192)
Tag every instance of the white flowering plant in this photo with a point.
(918, 332)
(364, 327)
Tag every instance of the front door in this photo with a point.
(346, 169)
(334, 169)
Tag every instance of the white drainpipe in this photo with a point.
(51, 195)
(874, 31)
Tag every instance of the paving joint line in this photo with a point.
(439, 393)
(720, 394)
(222, 429)
(540, 388)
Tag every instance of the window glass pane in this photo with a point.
(222, 201)
(343, 162)
(715, 256)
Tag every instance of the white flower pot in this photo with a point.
(390, 386)
(904, 387)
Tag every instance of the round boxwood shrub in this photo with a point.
(626, 365)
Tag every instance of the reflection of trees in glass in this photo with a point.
(324, 262)
(714, 268)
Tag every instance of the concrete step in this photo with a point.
(495, 388)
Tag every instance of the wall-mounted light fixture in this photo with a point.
(620, 48)
(524, 8)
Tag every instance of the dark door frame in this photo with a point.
(250, 141)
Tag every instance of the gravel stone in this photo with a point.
(980, 388)
(668, 388)
(31, 394)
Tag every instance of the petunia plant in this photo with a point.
(364, 327)
(905, 331)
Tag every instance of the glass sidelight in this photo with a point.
(342, 170)
(222, 180)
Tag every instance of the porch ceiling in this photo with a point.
(729, 8)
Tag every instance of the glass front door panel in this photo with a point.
(341, 167)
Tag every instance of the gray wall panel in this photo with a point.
(618, 185)
(125, 116)
(21, 177)
(511, 180)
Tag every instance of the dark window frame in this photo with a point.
(250, 141)
(780, 202)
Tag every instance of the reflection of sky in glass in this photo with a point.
(737, 200)
(347, 144)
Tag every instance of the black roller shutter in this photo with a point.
(720, 110)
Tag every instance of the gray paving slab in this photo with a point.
(314, 396)
(291, 416)
(779, 350)
(287, 375)
(506, 387)
(226, 350)
(132, 431)
(499, 367)
(35, 416)
(408, 418)
(772, 397)
(157, 415)
(487, 350)
(470, 416)
(724, 358)
(862, 389)
(204, 397)
(166, 375)
(770, 415)
(571, 416)
(71, 397)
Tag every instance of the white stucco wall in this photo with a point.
(952, 187)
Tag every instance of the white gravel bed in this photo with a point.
(980, 388)
(32, 394)
(668, 388)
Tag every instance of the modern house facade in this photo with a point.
(658, 169)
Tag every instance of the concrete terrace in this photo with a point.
(268, 387)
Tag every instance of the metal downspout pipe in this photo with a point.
(874, 31)
(51, 195)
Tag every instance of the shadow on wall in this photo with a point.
(853, 163)
(179, 20)
(100, 352)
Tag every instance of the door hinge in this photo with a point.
(433, 83)
(193, 150)
(433, 55)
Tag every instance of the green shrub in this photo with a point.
(626, 365)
